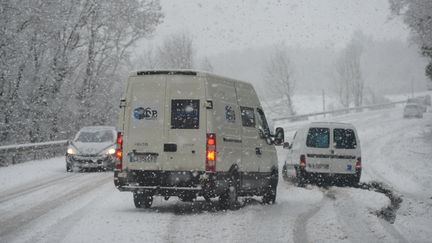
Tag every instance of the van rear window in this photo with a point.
(344, 138)
(318, 138)
(185, 114)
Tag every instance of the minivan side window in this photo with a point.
(318, 137)
(248, 116)
(344, 138)
(185, 114)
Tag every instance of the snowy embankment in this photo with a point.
(40, 202)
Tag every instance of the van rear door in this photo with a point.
(345, 150)
(185, 145)
(145, 132)
(318, 157)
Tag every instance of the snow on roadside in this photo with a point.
(348, 214)
(24, 173)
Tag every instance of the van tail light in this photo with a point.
(119, 151)
(210, 164)
(358, 163)
(302, 161)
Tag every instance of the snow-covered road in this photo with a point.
(40, 202)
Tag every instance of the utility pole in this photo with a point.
(412, 87)
(323, 100)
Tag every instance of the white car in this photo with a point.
(187, 134)
(413, 110)
(92, 148)
(325, 151)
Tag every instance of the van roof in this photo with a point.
(330, 124)
(191, 72)
(97, 128)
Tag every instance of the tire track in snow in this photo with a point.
(300, 226)
(35, 186)
(10, 226)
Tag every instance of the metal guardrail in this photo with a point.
(339, 111)
(18, 153)
(13, 154)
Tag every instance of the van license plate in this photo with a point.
(319, 166)
(146, 157)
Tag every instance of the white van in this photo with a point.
(324, 151)
(188, 134)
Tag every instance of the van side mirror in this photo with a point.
(279, 136)
(286, 145)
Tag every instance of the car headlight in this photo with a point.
(71, 151)
(111, 151)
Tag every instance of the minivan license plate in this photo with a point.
(145, 157)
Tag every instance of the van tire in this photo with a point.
(142, 200)
(285, 172)
(229, 199)
(301, 177)
(269, 196)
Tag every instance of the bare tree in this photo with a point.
(177, 52)
(147, 59)
(349, 80)
(417, 14)
(206, 65)
(279, 74)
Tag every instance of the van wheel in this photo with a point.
(354, 181)
(142, 200)
(228, 200)
(301, 178)
(68, 168)
(285, 172)
(269, 196)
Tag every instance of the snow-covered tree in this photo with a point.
(349, 80)
(52, 52)
(417, 14)
(177, 51)
(279, 74)
(206, 65)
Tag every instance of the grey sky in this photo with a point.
(218, 26)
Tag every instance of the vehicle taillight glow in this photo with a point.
(210, 164)
(119, 151)
(302, 161)
(358, 163)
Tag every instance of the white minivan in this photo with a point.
(188, 133)
(324, 151)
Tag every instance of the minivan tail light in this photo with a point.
(119, 151)
(302, 161)
(358, 163)
(210, 164)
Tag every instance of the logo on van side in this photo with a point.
(145, 113)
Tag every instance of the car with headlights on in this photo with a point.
(92, 148)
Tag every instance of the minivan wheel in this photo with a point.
(285, 172)
(229, 200)
(301, 178)
(354, 181)
(142, 200)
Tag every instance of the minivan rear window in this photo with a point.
(318, 138)
(185, 114)
(344, 138)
